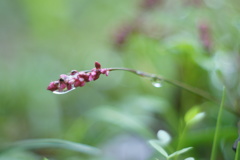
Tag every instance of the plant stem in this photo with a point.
(182, 134)
(216, 135)
(176, 83)
(173, 82)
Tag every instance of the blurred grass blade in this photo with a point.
(217, 130)
(237, 151)
(156, 144)
(55, 143)
(180, 152)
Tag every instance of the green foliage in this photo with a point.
(42, 39)
(237, 152)
(218, 129)
(162, 151)
(55, 143)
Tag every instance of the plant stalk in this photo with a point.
(173, 82)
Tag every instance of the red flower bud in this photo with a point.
(79, 83)
(53, 86)
(76, 79)
(97, 65)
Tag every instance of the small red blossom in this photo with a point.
(77, 79)
(53, 86)
(97, 65)
(205, 36)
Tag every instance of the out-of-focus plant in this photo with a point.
(67, 83)
(190, 41)
(163, 140)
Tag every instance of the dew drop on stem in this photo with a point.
(157, 83)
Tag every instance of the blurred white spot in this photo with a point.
(157, 84)
(163, 137)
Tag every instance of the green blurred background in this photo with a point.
(193, 41)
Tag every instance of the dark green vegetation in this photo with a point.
(192, 41)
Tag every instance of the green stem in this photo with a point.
(176, 83)
(182, 133)
(217, 130)
(173, 82)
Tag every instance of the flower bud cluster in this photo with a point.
(77, 79)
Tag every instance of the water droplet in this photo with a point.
(157, 83)
(64, 91)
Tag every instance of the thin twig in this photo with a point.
(189, 88)
(176, 83)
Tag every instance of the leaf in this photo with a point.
(217, 130)
(54, 143)
(191, 113)
(179, 152)
(193, 116)
(120, 118)
(237, 151)
(156, 144)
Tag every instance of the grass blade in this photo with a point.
(180, 152)
(237, 152)
(54, 143)
(216, 135)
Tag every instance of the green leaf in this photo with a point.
(120, 118)
(217, 130)
(156, 144)
(180, 152)
(193, 116)
(54, 143)
(191, 113)
(237, 151)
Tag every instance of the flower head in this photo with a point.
(77, 79)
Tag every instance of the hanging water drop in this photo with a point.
(64, 91)
(157, 83)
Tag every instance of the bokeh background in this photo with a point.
(192, 41)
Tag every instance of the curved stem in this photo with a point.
(173, 82)
(176, 83)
